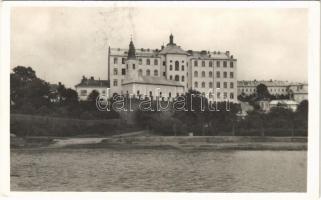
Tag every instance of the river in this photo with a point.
(109, 170)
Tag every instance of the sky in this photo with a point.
(64, 43)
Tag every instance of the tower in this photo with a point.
(131, 63)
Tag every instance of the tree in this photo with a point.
(25, 87)
(92, 97)
(262, 92)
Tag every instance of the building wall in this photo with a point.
(156, 90)
(84, 96)
(219, 79)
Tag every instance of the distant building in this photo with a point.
(274, 87)
(86, 86)
(173, 70)
(288, 104)
(296, 91)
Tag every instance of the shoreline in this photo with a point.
(183, 143)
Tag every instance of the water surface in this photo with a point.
(157, 170)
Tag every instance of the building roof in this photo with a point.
(152, 81)
(210, 55)
(93, 83)
(173, 49)
(284, 101)
(270, 83)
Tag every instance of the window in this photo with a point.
(170, 77)
(225, 74)
(140, 61)
(224, 64)
(122, 60)
(115, 71)
(155, 72)
(134, 66)
(231, 75)
(115, 61)
(115, 82)
(210, 85)
(210, 74)
(231, 85)
(203, 74)
(210, 64)
(123, 71)
(218, 74)
(218, 95)
(170, 67)
(137, 92)
(169, 94)
(148, 72)
(218, 84)
(195, 63)
(225, 95)
(140, 72)
(196, 85)
(147, 62)
(225, 84)
(195, 74)
(164, 63)
(203, 63)
(183, 78)
(176, 78)
(231, 64)
(231, 95)
(218, 63)
(155, 62)
(164, 73)
(150, 93)
(83, 92)
(176, 66)
(182, 67)
(203, 84)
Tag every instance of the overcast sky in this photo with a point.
(62, 44)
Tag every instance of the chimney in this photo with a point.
(227, 53)
(162, 47)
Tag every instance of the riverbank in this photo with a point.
(169, 142)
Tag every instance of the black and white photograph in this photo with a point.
(135, 97)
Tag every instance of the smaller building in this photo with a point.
(86, 86)
(298, 92)
(288, 104)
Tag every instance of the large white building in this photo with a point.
(173, 71)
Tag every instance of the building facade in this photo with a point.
(87, 86)
(211, 73)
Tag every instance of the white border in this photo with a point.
(314, 104)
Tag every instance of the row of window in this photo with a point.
(211, 64)
(176, 67)
(270, 90)
(218, 74)
(177, 94)
(85, 93)
(176, 78)
(140, 61)
(210, 85)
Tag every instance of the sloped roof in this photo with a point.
(209, 55)
(93, 83)
(152, 81)
(173, 49)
